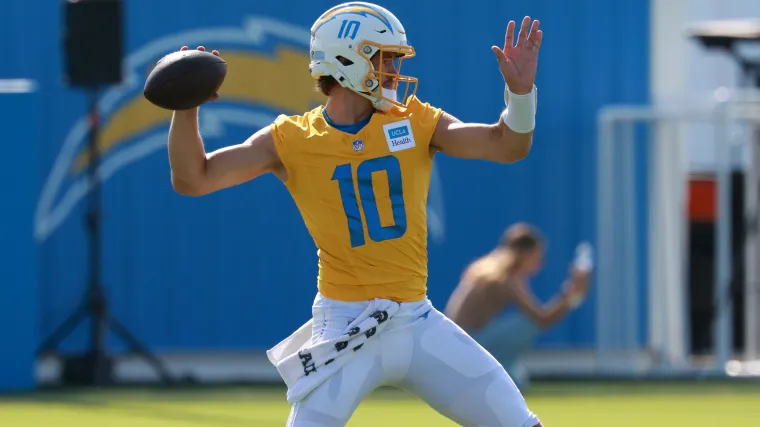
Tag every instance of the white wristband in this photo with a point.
(520, 114)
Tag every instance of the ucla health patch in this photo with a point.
(399, 135)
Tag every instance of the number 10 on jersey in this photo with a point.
(345, 177)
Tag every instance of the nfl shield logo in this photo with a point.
(358, 145)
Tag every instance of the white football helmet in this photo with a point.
(344, 40)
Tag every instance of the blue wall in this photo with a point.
(20, 176)
(19, 256)
(237, 269)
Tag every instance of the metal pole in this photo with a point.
(751, 302)
(605, 238)
(752, 237)
(629, 243)
(752, 244)
(723, 310)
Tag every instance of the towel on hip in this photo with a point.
(304, 366)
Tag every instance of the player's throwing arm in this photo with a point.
(183, 81)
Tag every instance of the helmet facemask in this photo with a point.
(384, 98)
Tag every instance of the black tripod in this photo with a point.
(94, 303)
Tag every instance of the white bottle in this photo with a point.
(584, 257)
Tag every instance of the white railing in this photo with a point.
(622, 317)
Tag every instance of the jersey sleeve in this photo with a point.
(286, 131)
(425, 118)
(279, 130)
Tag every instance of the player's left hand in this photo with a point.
(518, 62)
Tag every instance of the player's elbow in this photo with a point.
(187, 188)
(516, 154)
(512, 146)
(512, 153)
(516, 145)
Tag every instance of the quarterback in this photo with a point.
(358, 169)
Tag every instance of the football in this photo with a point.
(185, 79)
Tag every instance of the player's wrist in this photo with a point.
(520, 114)
(189, 111)
(187, 116)
(518, 90)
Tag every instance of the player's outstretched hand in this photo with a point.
(215, 52)
(518, 61)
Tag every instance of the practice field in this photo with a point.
(559, 405)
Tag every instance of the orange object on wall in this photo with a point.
(702, 199)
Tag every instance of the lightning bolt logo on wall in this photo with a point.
(267, 61)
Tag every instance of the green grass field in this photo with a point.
(559, 405)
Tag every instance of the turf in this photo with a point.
(559, 405)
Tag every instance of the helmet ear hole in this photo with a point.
(345, 61)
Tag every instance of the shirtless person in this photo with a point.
(499, 280)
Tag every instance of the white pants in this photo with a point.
(433, 359)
